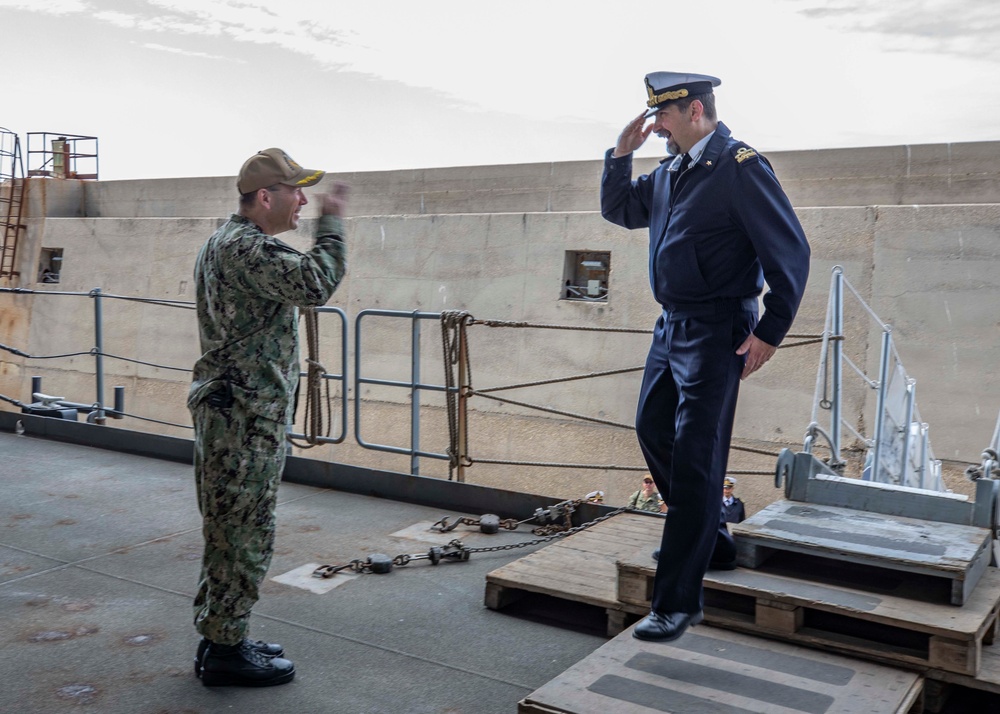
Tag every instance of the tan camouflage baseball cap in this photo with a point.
(271, 166)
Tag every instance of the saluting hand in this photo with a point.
(633, 136)
(335, 200)
(758, 353)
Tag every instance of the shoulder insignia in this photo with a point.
(744, 153)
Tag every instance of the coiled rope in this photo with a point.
(314, 409)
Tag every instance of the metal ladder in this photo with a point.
(11, 201)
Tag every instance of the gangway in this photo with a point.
(920, 527)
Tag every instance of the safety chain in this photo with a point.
(455, 550)
(488, 523)
(491, 523)
(313, 417)
(556, 536)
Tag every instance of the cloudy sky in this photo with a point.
(193, 87)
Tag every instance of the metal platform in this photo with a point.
(99, 558)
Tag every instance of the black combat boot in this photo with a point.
(243, 666)
(266, 649)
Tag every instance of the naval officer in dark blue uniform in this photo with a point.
(719, 225)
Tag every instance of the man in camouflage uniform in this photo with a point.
(250, 286)
(647, 498)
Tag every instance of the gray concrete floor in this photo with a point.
(99, 556)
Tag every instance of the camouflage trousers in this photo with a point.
(238, 460)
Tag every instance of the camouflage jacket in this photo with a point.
(642, 503)
(249, 289)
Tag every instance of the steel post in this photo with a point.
(415, 394)
(463, 406)
(911, 387)
(837, 372)
(98, 355)
(883, 380)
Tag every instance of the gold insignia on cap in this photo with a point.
(744, 153)
(307, 179)
(655, 99)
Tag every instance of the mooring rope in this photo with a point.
(453, 338)
(313, 415)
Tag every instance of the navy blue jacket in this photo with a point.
(735, 513)
(726, 227)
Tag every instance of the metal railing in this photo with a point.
(899, 450)
(415, 385)
(98, 411)
(65, 156)
(457, 390)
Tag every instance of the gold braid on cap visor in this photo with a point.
(655, 99)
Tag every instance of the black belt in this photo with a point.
(722, 306)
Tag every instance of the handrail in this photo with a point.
(415, 385)
(925, 474)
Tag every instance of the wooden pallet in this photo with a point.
(581, 567)
(825, 612)
(709, 670)
(988, 679)
(950, 558)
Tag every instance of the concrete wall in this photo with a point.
(492, 241)
(884, 176)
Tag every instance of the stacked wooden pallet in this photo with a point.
(711, 670)
(581, 567)
(825, 614)
(899, 617)
(948, 558)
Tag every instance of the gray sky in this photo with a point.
(193, 87)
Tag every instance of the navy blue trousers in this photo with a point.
(684, 423)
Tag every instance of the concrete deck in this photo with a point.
(99, 554)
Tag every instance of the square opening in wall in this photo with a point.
(585, 275)
(50, 265)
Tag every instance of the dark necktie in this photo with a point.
(685, 162)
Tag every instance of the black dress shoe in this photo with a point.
(665, 628)
(656, 554)
(243, 666)
(722, 564)
(266, 649)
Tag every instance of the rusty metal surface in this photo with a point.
(99, 553)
